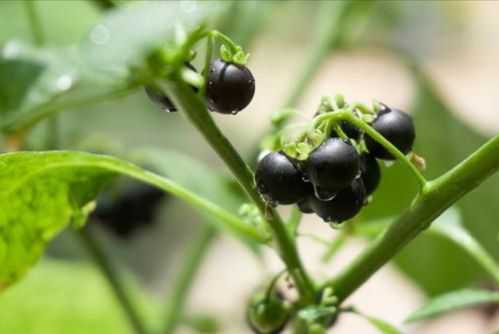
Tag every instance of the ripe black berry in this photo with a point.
(304, 206)
(279, 180)
(134, 207)
(397, 127)
(230, 87)
(267, 314)
(333, 165)
(160, 99)
(370, 172)
(345, 205)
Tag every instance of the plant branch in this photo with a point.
(181, 287)
(98, 255)
(437, 196)
(193, 107)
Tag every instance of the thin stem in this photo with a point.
(224, 39)
(207, 62)
(334, 246)
(34, 23)
(185, 279)
(193, 107)
(294, 221)
(437, 196)
(98, 255)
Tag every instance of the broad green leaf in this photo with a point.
(453, 301)
(127, 35)
(63, 297)
(42, 192)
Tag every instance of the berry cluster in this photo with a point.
(336, 178)
(230, 88)
(133, 207)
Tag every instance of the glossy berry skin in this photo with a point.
(397, 127)
(230, 87)
(134, 207)
(304, 206)
(267, 315)
(345, 205)
(279, 180)
(333, 165)
(350, 130)
(160, 99)
(370, 172)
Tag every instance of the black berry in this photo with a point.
(397, 127)
(333, 165)
(134, 207)
(345, 205)
(160, 99)
(230, 87)
(304, 206)
(279, 180)
(370, 172)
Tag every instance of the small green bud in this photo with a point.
(267, 314)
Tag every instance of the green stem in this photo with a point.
(98, 255)
(335, 245)
(346, 115)
(294, 221)
(34, 23)
(207, 62)
(436, 197)
(193, 107)
(185, 279)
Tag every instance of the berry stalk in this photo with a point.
(195, 110)
(437, 196)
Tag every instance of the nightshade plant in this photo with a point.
(330, 168)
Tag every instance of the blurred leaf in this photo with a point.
(43, 192)
(443, 140)
(446, 236)
(46, 81)
(453, 301)
(128, 34)
(246, 20)
(382, 326)
(61, 297)
(202, 323)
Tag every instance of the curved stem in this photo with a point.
(104, 264)
(346, 115)
(185, 279)
(224, 39)
(437, 196)
(193, 107)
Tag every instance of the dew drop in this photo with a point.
(335, 225)
(100, 34)
(234, 112)
(64, 82)
(323, 195)
(305, 178)
(389, 163)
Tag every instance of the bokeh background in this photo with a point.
(456, 45)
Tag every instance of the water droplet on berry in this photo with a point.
(335, 225)
(305, 178)
(234, 112)
(323, 194)
(389, 163)
(262, 155)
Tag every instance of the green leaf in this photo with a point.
(453, 301)
(44, 81)
(63, 297)
(127, 35)
(42, 192)
(382, 326)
